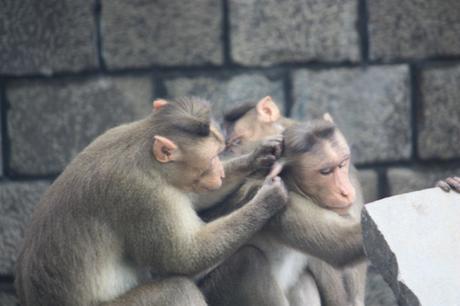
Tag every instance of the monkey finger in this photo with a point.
(453, 183)
(278, 150)
(443, 185)
(270, 180)
(276, 169)
(266, 161)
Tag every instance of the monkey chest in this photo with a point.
(286, 264)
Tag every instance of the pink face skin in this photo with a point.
(326, 176)
(210, 171)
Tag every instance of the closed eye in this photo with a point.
(325, 171)
(344, 162)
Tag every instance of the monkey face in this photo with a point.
(193, 166)
(248, 131)
(323, 174)
(206, 168)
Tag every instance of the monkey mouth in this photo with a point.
(341, 206)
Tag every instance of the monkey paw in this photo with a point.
(265, 155)
(450, 183)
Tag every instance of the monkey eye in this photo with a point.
(343, 164)
(325, 171)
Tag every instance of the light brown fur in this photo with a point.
(304, 226)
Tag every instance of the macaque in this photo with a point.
(118, 227)
(320, 229)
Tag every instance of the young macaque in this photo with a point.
(117, 227)
(322, 219)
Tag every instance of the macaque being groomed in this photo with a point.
(318, 233)
(117, 227)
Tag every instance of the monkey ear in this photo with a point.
(328, 117)
(159, 103)
(267, 110)
(164, 149)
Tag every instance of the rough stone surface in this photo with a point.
(49, 122)
(413, 29)
(7, 299)
(265, 32)
(439, 116)
(371, 106)
(402, 180)
(428, 219)
(378, 293)
(381, 256)
(17, 201)
(2, 162)
(47, 36)
(369, 182)
(223, 93)
(164, 32)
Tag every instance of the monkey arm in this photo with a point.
(209, 244)
(217, 240)
(319, 232)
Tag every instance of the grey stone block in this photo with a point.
(47, 36)
(2, 162)
(413, 29)
(403, 180)
(439, 114)
(7, 299)
(165, 32)
(265, 32)
(50, 121)
(369, 183)
(371, 106)
(17, 201)
(224, 93)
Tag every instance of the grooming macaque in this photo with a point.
(117, 227)
(320, 229)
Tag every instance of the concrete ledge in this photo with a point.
(413, 241)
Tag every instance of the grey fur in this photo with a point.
(112, 231)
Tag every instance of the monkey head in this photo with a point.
(187, 144)
(318, 162)
(251, 123)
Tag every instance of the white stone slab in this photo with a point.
(423, 231)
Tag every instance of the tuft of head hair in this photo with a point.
(186, 115)
(302, 137)
(239, 111)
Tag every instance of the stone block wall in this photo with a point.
(388, 72)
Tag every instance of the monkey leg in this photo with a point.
(174, 291)
(304, 292)
(245, 279)
(330, 283)
(355, 283)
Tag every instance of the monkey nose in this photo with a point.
(344, 193)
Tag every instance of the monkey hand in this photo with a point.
(450, 183)
(266, 154)
(273, 194)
